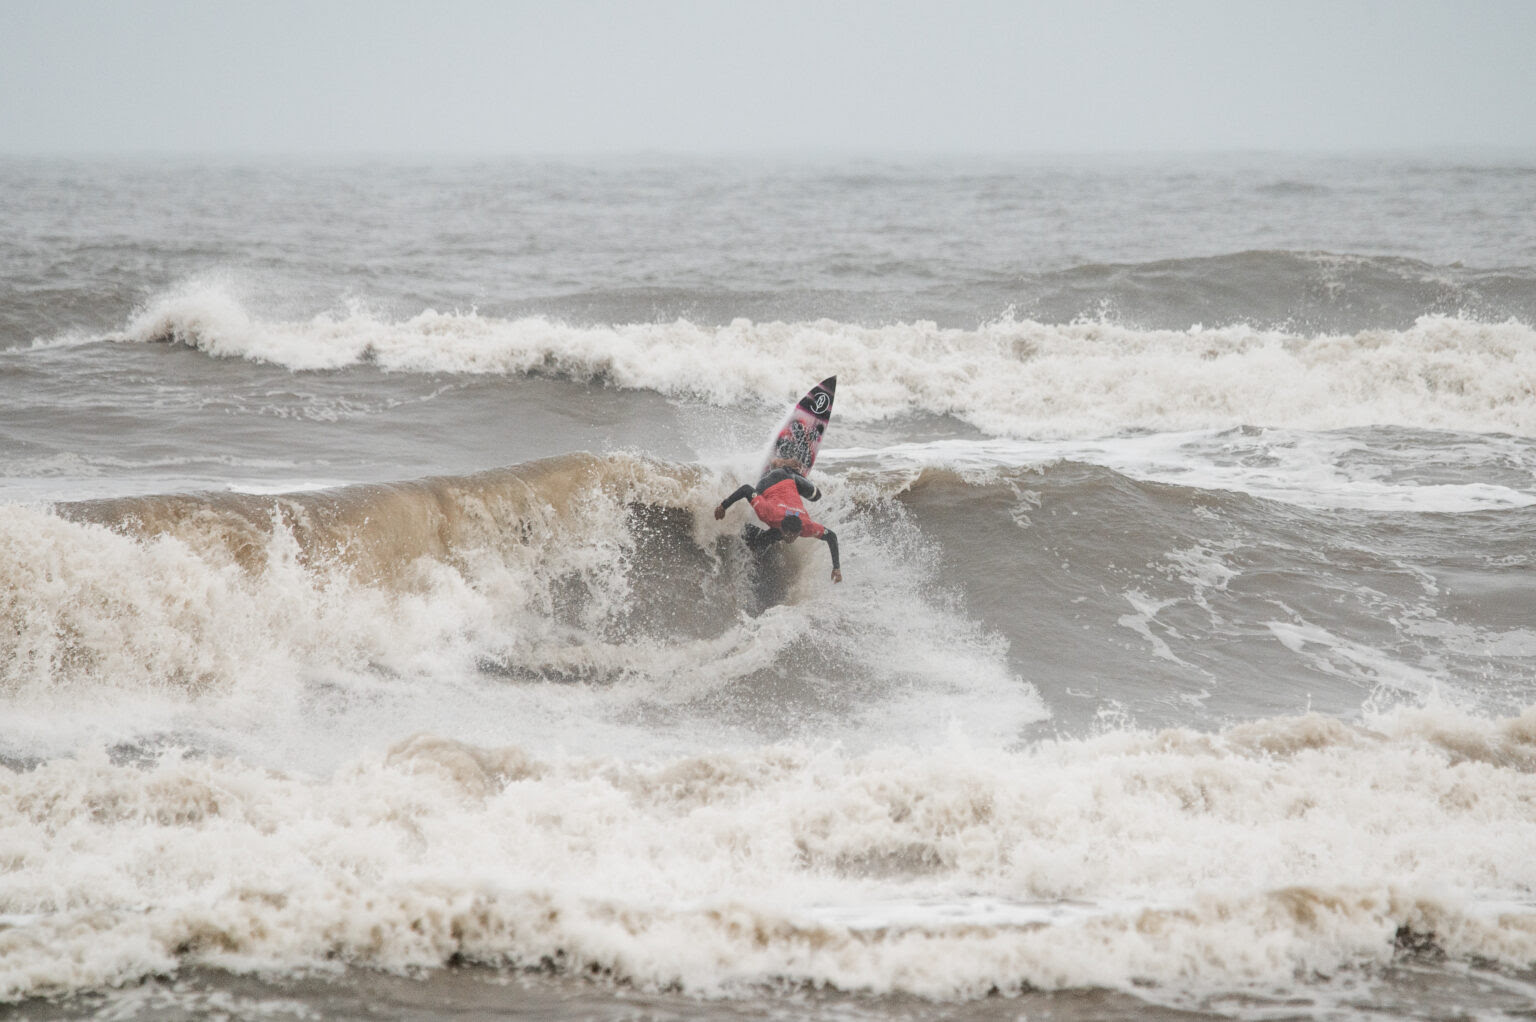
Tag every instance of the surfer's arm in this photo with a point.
(806, 488)
(831, 538)
(742, 492)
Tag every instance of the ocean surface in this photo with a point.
(368, 649)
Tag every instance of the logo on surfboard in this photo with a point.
(820, 402)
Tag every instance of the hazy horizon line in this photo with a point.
(778, 154)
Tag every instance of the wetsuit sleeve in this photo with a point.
(831, 538)
(806, 488)
(743, 491)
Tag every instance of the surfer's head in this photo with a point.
(791, 525)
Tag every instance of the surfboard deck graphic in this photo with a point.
(800, 435)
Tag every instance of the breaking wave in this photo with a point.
(1010, 377)
(603, 571)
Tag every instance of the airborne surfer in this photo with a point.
(776, 499)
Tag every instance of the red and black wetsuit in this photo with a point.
(775, 497)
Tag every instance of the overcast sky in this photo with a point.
(782, 76)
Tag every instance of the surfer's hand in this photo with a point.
(719, 511)
(837, 576)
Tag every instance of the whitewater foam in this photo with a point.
(1202, 863)
(1011, 378)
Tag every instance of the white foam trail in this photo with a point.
(1008, 378)
(1309, 470)
(1330, 654)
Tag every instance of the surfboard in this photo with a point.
(800, 435)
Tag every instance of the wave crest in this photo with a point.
(184, 592)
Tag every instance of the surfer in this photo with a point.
(777, 501)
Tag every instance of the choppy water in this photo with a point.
(367, 647)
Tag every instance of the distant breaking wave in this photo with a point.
(1011, 377)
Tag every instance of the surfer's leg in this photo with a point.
(768, 572)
